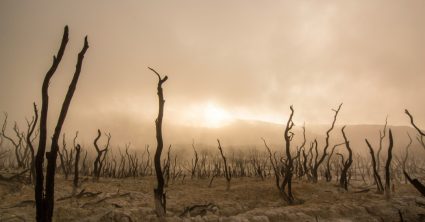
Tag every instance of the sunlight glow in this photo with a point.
(214, 116)
(211, 115)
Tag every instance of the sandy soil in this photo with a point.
(249, 199)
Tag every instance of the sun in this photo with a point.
(215, 116)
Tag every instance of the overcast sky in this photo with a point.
(245, 59)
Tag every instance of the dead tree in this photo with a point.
(227, 172)
(159, 194)
(66, 158)
(325, 148)
(16, 143)
(343, 182)
(285, 168)
(77, 160)
(328, 174)
(101, 154)
(415, 182)
(382, 135)
(76, 170)
(376, 176)
(388, 165)
(44, 197)
(194, 161)
(31, 128)
(287, 181)
(418, 185)
(421, 136)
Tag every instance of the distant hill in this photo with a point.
(248, 133)
(239, 133)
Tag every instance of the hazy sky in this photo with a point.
(225, 59)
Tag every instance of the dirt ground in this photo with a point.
(249, 199)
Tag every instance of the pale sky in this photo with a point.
(225, 60)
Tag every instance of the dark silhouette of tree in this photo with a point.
(227, 171)
(388, 165)
(194, 161)
(319, 161)
(31, 128)
(421, 136)
(376, 176)
(415, 182)
(159, 194)
(17, 143)
(343, 181)
(76, 170)
(77, 160)
(44, 196)
(101, 154)
(328, 173)
(285, 168)
(66, 158)
(382, 135)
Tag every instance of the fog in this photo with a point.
(226, 60)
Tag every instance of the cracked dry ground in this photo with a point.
(249, 199)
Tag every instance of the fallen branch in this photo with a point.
(415, 182)
(14, 176)
(106, 198)
(199, 210)
(82, 193)
(24, 203)
(362, 191)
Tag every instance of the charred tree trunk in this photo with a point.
(415, 182)
(159, 194)
(77, 160)
(195, 161)
(17, 144)
(45, 196)
(328, 173)
(287, 181)
(101, 154)
(285, 170)
(421, 136)
(64, 156)
(322, 158)
(382, 135)
(31, 128)
(377, 178)
(388, 165)
(343, 182)
(227, 172)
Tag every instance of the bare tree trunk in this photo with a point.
(289, 161)
(159, 194)
(415, 182)
(377, 178)
(387, 166)
(227, 174)
(195, 161)
(381, 139)
(347, 164)
(317, 163)
(328, 173)
(101, 154)
(45, 197)
(17, 144)
(31, 128)
(77, 160)
(421, 136)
